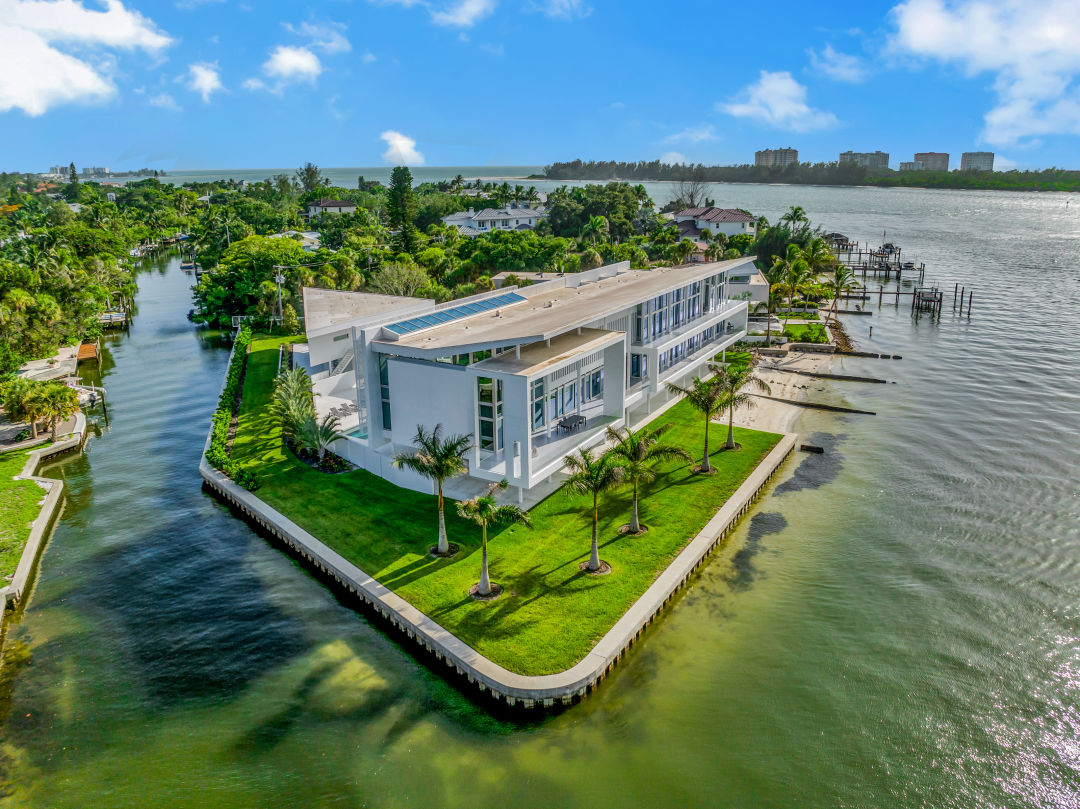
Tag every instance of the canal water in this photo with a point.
(896, 625)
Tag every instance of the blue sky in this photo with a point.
(218, 83)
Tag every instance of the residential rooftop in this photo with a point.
(324, 308)
(550, 309)
(718, 215)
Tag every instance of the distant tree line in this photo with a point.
(1052, 179)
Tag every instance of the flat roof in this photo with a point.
(541, 356)
(554, 308)
(324, 308)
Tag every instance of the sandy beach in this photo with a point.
(778, 417)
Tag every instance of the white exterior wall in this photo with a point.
(429, 394)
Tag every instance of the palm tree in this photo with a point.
(437, 459)
(842, 280)
(484, 511)
(707, 398)
(817, 255)
(58, 402)
(731, 380)
(319, 435)
(596, 228)
(291, 404)
(592, 474)
(799, 277)
(638, 453)
(795, 216)
(775, 276)
(682, 250)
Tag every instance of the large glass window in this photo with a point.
(489, 394)
(537, 399)
(384, 390)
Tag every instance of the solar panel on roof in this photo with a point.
(453, 313)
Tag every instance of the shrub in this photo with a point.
(217, 455)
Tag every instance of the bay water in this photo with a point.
(896, 624)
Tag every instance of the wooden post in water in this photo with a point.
(956, 286)
(961, 301)
(880, 292)
(970, 294)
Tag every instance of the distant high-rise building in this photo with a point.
(94, 171)
(933, 161)
(871, 160)
(912, 165)
(977, 161)
(776, 157)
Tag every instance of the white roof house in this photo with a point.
(472, 222)
(530, 374)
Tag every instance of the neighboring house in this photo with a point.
(309, 240)
(330, 206)
(530, 374)
(729, 221)
(472, 222)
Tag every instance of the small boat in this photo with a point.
(187, 265)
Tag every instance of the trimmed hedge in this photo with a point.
(218, 453)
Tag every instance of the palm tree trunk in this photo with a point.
(768, 322)
(705, 459)
(730, 428)
(33, 428)
(54, 423)
(485, 583)
(444, 546)
(594, 559)
(635, 526)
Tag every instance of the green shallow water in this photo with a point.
(896, 625)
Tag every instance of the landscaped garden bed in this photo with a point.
(20, 503)
(551, 613)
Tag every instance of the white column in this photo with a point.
(615, 378)
(516, 427)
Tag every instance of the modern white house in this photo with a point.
(472, 222)
(530, 374)
(330, 206)
(729, 221)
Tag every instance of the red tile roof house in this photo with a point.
(729, 221)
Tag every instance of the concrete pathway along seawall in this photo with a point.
(489, 677)
(54, 489)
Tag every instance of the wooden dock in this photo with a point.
(88, 351)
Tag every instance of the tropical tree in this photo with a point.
(707, 398)
(291, 405)
(732, 381)
(842, 280)
(771, 303)
(682, 250)
(592, 473)
(795, 216)
(596, 229)
(817, 255)
(438, 459)
(484, 511)
(17, 398)
(317, 436)
(638, 454)
(310, 177)
(57, 402)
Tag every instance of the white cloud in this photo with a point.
(673, 158)
(287, 65)
(401, 149)
(165, 101)
(837, 65)
(70, 21)
(693, 134)
(204, 78)
(1029, 46)
(494, 49)
(368, 58)
(463, 13)
(328, 37)
(780, 101)
(36, 74)
(561, 9)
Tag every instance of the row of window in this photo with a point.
(668, 312)
(551, 402)
(686, 348)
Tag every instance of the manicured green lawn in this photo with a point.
(19, 507)
(807, 333)
(551, 613)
